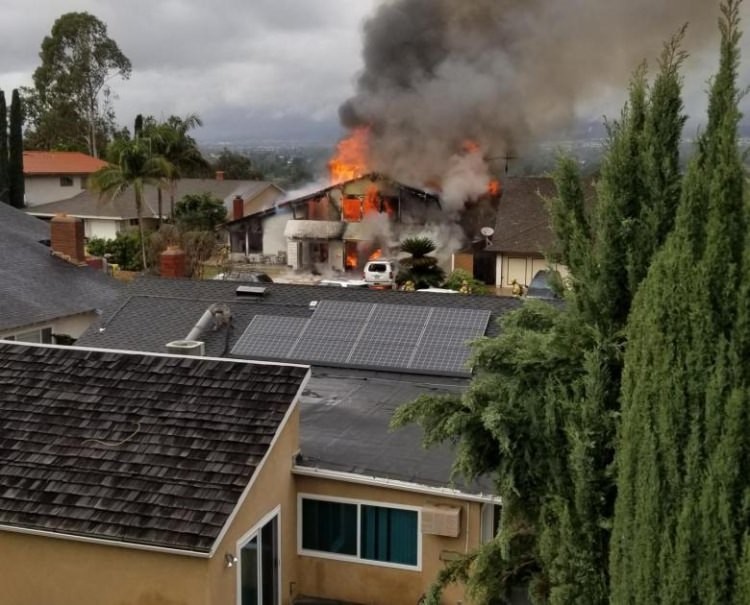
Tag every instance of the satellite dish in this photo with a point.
(487, 231)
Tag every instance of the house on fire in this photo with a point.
(336, 228)
(373, 517)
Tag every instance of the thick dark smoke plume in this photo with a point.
(502, 73)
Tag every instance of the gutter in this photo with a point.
(104, 542)
(407, 486)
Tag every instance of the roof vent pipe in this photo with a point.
(217, 315)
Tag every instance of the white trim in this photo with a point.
(150, 354)
(259, 468)
(406, 486)
(81, 216)
(103, 542)
(255, 531)
(358, 558)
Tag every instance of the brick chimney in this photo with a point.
(66, 238)
(219, 175)
(238, 207)
(172, 262)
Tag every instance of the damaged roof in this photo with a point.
(133, 448)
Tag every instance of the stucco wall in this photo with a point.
(42, 570)
(374, 584)
(45, 189)
(273, 488)
(106, 229)
(274, 240)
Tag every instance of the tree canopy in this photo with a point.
(683, 507)
(540, 416)
(199, 212)
(69, 106)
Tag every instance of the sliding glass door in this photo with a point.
(259, 566)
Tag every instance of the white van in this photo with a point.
(380, 272)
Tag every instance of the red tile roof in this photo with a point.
(60, 162)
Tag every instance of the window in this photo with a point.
(66, 181)
(366, 532)
(490, 521)
(36, 336)
(352, 209)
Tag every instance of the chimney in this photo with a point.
(238, 207)
(66, 238)
(219, 175)
(172, 262)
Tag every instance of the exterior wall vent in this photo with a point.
(441, 521)
(186, 347)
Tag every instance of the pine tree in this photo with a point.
(15, 153)
(683, 504)
(4, 184)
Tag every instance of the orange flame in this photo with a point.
(376, 254)
(351, 159)
(372, 200)
(494, 188)
(469, 146)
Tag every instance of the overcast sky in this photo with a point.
(264, 68)
(269, 67)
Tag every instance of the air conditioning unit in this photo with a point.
(186, 347)
(441, 521)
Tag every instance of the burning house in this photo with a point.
(342, 226)
(363, 215)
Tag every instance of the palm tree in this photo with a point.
(422, 270)
(131, 165)
(170, 140)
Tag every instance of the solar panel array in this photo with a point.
(369, 335)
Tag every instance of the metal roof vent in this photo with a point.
(186, 347)
(257, 291)
(313, 305)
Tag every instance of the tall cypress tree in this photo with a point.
(681, 518)
(4, 183)
(541, 412)
(15, 154)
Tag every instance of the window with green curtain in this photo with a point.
(329, 526)
(389, 535)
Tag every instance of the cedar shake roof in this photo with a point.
(523, 224)
(133, 448)
(59, 162)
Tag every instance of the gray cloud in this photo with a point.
(240, 65)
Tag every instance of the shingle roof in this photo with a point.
(152, 311)
(59, 162)
(133, 448)
(38, 287)
(523, 222)
(90, 204)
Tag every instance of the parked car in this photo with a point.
(343, 283)
(541, 285)
(380, 272)
(248, 276)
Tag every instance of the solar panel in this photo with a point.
(366, 335)
(342, 311)
(267, 336)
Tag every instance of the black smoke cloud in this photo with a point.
(503, 73)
